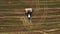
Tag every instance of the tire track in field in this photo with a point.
(27, 24)
(33, 8)
(35, 31)
(32, 17)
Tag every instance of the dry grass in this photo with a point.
(46, 17)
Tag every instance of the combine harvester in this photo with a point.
(28, 13)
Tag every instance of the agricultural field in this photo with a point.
(45, 19)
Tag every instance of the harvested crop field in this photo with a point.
(45, 19)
